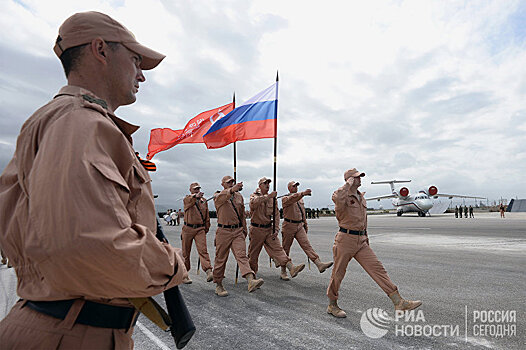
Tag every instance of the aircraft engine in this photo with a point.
(432, 191)
(404, 192)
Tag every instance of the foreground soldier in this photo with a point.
(261, 205)
(352, 242)
(295, 226)
(196, 226)
(90, 243)
(231, 233)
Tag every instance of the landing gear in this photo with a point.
(422, 214)
(399, 213)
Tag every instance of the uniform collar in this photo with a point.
(89, 96)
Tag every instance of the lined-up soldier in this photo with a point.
(231, 233)
(295, 227)
(196, 226)
(78, 219)
(352, 241)
(262, 204)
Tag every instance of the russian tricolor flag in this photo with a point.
(253, 119)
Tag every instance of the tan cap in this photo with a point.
(352, 172)
(263, 180)
(194, 185)
(226, 179)
(83, 27)
(292, 183)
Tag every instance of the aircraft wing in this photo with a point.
(381, 197)
(456, 195)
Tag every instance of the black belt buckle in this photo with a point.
(293, 221)
(229, 226)
(194, 225)
(353, 232)
(260, 226)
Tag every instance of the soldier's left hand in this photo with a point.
(307, 192)
(199, 195)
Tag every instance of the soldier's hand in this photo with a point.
(237, 187)
(307, 192)
(273, 194)
(199, 195)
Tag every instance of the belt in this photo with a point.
(92, 314)
(262, 226)
(229, 226)
(352, 232)
(194, 225)
(293, 221)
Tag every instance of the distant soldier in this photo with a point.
(466, 211)
(352, 242)
(501, 209)
(471, 212)
(261, 205)
(317, 213)
(456, 211)
(231, 233)
(196, 226)
(460, 211)
(295, 226)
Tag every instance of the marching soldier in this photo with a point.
(295, 226)
(196, 226)
(231, 234)
(261, 205)
(352, 242)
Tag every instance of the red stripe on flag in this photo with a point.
(257, 129)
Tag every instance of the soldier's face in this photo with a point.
(195, 190)
(294, 189)
(124, 75)
(229, 184)
(357, 181)
(264, 187)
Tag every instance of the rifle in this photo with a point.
(181, 325)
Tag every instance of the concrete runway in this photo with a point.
(452, 265)
(459, 268)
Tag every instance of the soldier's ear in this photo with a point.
(99, 49)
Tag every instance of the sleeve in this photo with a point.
(206, 214)
(89, 211)
(256, 200)
(339, 196)
(188, 202)
(289, 200)
(222, 197)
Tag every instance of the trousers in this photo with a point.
(225, 240)
(262, 237)
(291, 231)
(199, 236)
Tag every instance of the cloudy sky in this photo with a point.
(432, 91)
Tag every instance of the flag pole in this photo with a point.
(274, 202)
(235, 174)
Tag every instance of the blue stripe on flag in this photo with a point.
(257, 111)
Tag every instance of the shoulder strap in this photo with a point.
(301, 211)
(233, 206)
(199, 209)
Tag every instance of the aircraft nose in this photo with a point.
(427, 204)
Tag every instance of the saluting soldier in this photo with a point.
(352, 241)
(262, 205)
(295, 226)
(196, 226)
(231, 233)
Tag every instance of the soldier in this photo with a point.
(90, 242)
(295, 226)
(466, 211)
(261, 205)
(231, 233)
(471, 212)
(460, 211)
(456, 211)
(352, 242)
(196, 226)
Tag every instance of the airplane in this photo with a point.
(420, 202)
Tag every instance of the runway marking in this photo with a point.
(152, 336)
(405, 228)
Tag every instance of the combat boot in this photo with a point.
(321, 265)
(335, 310)
(283, 274)
(294, 270)
(253, 283)
(402, 304)
(220, 290)
(209, 275)
(187, 280)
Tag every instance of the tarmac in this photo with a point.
(469, 274)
